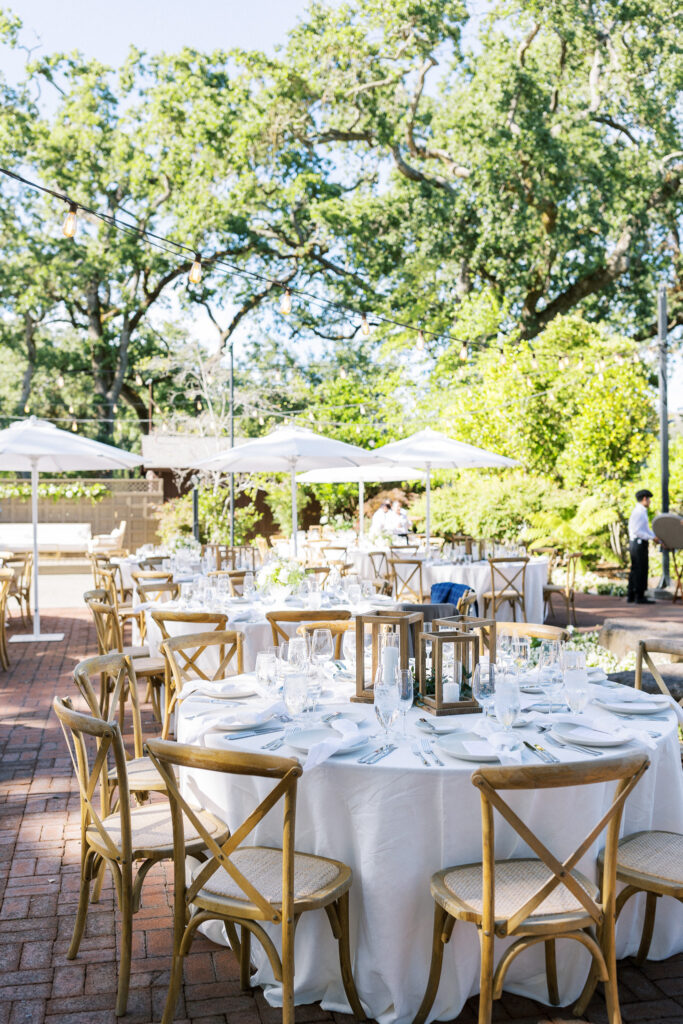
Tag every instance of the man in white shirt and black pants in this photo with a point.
(639, 535)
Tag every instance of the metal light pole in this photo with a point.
(195, 507)
(232, 445)
(663, 419)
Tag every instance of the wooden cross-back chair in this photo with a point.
(195, 620)
(565, 591)
(119, 838)
(116, 669)
(406, 576)
(337, 629)
(463, 538)
(235, 578)
(110, 639)
(6, 577)
(508, 586)
(535, 899)
(110, 580)
(185, 656)
(334, 554)
(151, 576)
(533, 630)
(20, 586)
(157, 591)
(657, 645)
(321, 572)
(381, 572)
(403, 550)
(247, 886)
(277, 619)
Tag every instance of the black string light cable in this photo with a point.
(198, 261)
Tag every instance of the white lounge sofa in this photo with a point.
(108, 543)
(53, 538)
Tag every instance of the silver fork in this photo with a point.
(274, 744)
(428, 749)
(417, 750)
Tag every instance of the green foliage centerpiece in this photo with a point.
(279, 578)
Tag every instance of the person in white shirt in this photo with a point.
(401, 523)
(381, 519)
(639, 536)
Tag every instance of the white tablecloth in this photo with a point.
(397, 822)
(477, 576)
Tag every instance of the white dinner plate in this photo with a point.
(531, 688)
(304, 739)
(243, 727)
(453, 745)
(432, 728)
(239, 693)
(587, 737)
(633, 707)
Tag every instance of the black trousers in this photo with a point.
(637, 577)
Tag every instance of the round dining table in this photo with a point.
(398, 821)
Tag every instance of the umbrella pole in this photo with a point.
(295, 524)
(427, 528)
(361, 503)
(36, 634)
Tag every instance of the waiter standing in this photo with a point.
(639, 535)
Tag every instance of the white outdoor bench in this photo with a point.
(55, 538)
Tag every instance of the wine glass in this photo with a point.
(405, 690)
(249, 586)
(484, 685)
(386, 706)
(295, 694)
(322, 647)
(576, 688)
(297, 652)
(549, 670)
(507, 701)
(349, 648)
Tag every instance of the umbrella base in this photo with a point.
(30, 638)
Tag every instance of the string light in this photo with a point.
(420, 343)
(114, 407)
(138, 380)
(364, 326)
(69, 228)
(261, 421)
(60, 381)
(196, 269)
(501, 355)
(198, 405)
(71, 409)
(286, 304)
(534, 360)
(342, 372)
(27, 408)
(74, 426)
(579, 365)
(463, 351)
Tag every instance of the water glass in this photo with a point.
(386, 705)
(576, 687)
(484, 685)
(349, 648)
(266, 669)
(295, 694)
(507, 701)
(249, 586)
(355, 593)
(322, 647)
(297, 652)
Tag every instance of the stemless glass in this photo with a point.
(484, 685)
(266, 669)
(349, 648)
(576, 687)
(507, 702)
(550, 671)
(386, 706)
(297, 652)
(295, 694)
(405, 688)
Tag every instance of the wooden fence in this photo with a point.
(132, 500)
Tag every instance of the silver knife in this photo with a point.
(383, 753)
(246, 733)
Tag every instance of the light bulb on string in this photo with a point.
(69, 226)
(364, 326)
(27, 408)
(74, 426)
(501, 355)
(420, 343)
(463, 351)
(198, 405)
(342, 373)
(261, 421)
(114, 407)
(579, 365)
(196, 269)
(286, 304)
(71, 410)
(362, 410)
(60, 381)
(534, 360)
(138, 380)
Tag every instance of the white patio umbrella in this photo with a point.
(433, 450)
(288, 450)
(372, 473)
(39, 446)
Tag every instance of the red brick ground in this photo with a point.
(39, 884)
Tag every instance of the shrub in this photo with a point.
(175, 518)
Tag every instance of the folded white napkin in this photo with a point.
(244, 718)
(242, 614)
(215, 687)
(589, 723)
(343, 734)
(505, 746)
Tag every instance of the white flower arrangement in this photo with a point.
(184, 542)
(598, 656)
(281, 572)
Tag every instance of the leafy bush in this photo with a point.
(55, 492)
(175, 518)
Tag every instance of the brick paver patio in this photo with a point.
(39, 883)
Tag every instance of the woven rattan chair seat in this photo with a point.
(136, 652)
(262, 866)
(656, 855)
(149, 666)
(151, 830)
(516, 882)
(142, 775)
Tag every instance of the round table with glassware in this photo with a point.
(411, 811)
